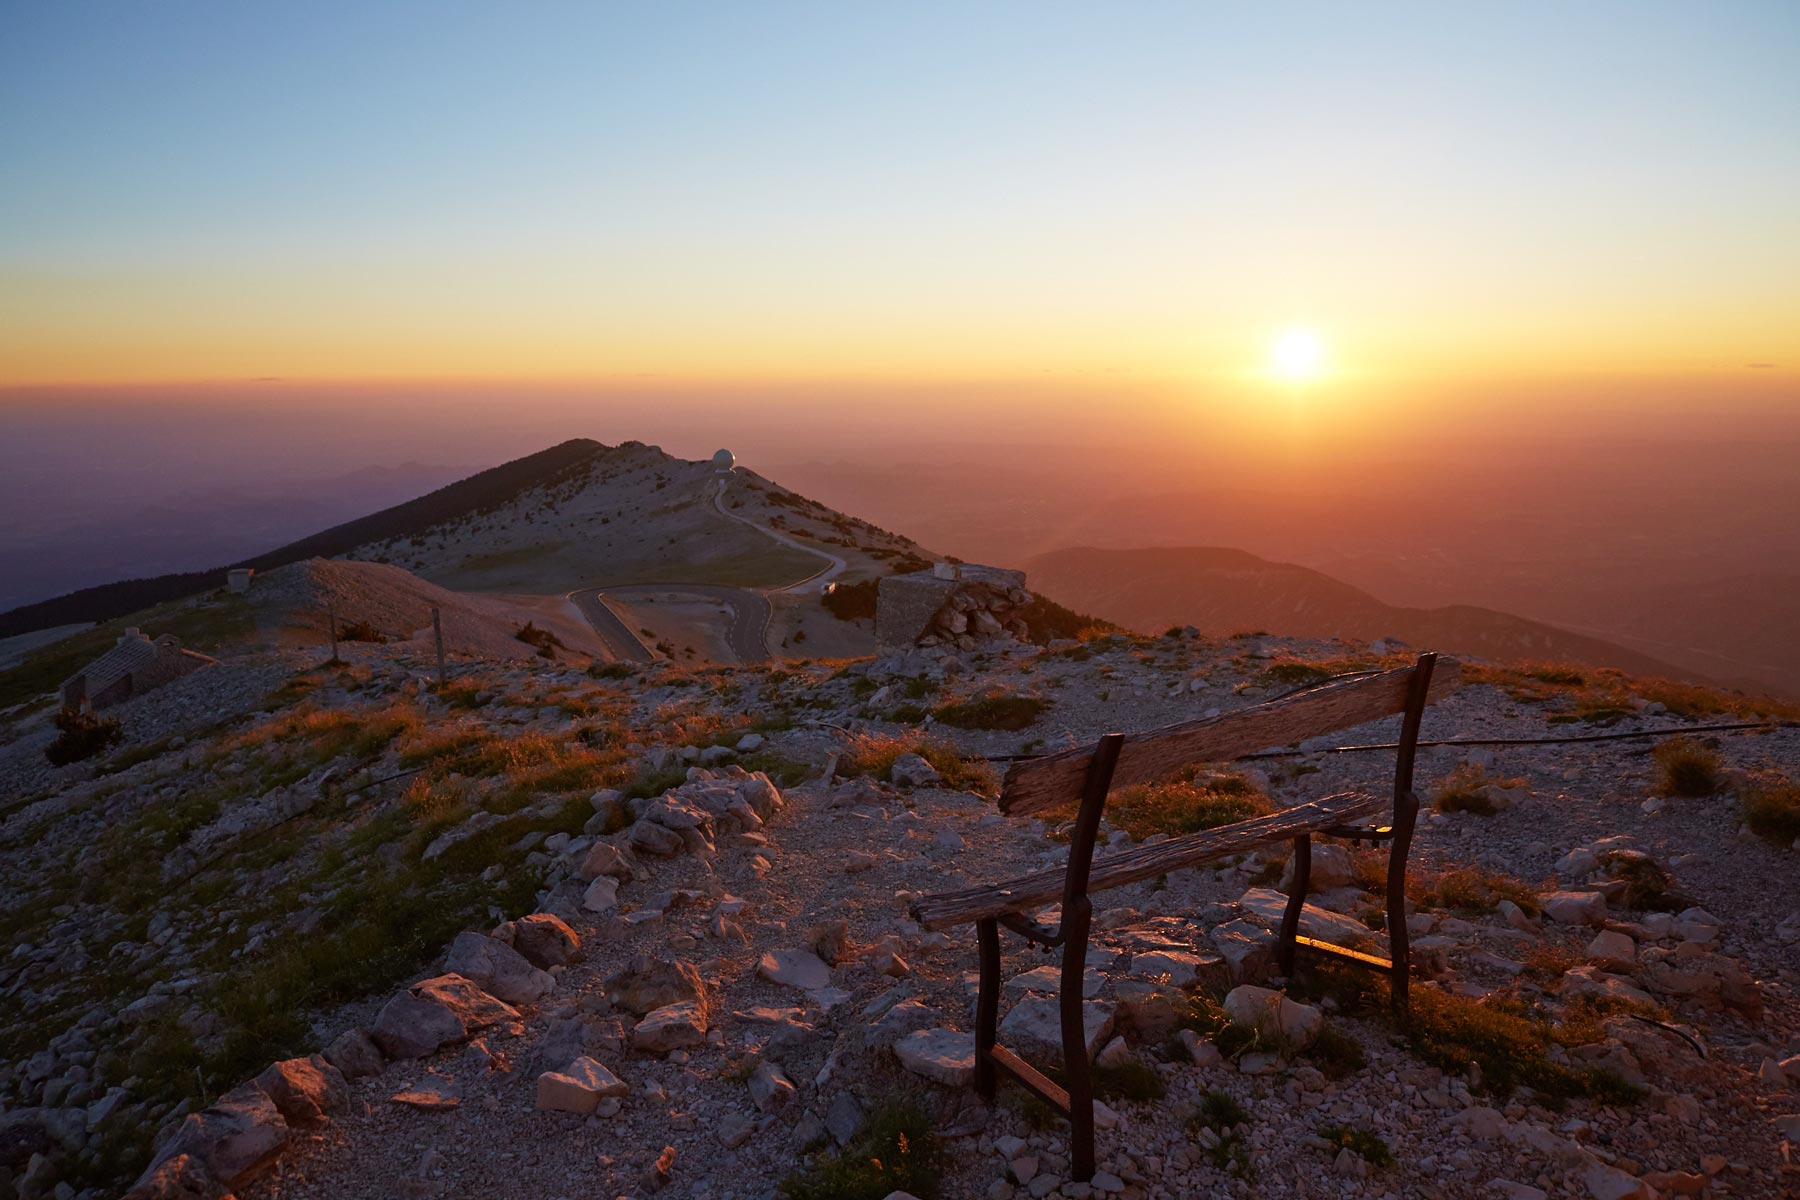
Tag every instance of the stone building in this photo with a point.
(959, 604)
(136, 664)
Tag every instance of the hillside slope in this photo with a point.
(1221, 591)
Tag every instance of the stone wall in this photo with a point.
(951, 604)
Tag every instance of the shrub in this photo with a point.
(1195, 800)
(543, 640)
(612, 670)
(993, 710)
(1686, 766)
(1648, 887)
(1048, 621)
(896, 1152)
(1218, 1124)
(851, 601)
(1772, 808)
(1472, 890)
(82, 735)
(1296, 673)
(873, 754)
(1370, 1148)
(1336, 1053)
(1510, 1047)
(360, 631)
(1466, 791)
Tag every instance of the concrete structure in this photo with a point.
(237, 579)
(724, 460)
(956, 603)
(136, 664)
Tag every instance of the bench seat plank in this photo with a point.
(1032, 892)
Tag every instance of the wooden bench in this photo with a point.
(1118, 760)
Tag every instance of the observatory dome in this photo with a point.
(724, 460)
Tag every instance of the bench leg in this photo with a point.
(1076, 1068)
(987, 1006)
(1399, 949)
(1290, 917)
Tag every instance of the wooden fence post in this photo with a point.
(437, 632)
(331, 623)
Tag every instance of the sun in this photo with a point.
(1296, 356)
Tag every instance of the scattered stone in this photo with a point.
(545, 940)
(1575, 908)
(305, 1090)
(653, 981)
(578, 1087)
(671, 1027)
(795, 968)
(355, 1053)
(942, 1055)
(1273, 1016)
(498, 969)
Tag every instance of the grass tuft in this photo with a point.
(1771, 804)
(1370, 1148)
(1686, 766)
(873, 754)
(1466, 791)
(993, 710)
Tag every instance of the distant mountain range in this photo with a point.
(1223, 591)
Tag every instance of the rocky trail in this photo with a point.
(721, 990)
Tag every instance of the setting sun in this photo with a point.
(1296, 356)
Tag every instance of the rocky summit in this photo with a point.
(326, 933)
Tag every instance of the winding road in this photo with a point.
(751, 611)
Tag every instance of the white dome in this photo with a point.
(724, 460)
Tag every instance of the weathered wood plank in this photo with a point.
(1032, 892)
(1031, 1077)
(1039, 784)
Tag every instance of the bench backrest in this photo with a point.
(1040, 784)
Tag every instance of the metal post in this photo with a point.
(437, 632)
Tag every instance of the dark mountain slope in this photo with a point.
(477, 494)
(1223, 591)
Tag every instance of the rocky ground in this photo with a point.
(558, 933)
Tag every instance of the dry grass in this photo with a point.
(873, 754)
(1470, 890)
(1686, 767)
(993, 710)
(1602, 694)
(1464, 791)
(1196, 799)
(1771, 804)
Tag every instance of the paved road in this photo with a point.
(750, 613)
(812, 583)
(613, 631)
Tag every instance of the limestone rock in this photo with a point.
(942, 1055)
(1273, 1016)
(578, 1087)
(1036, 1023)
(234, 1137)
(545, 940)
(1612, 951)
(498, 969)
(910, 770)
(436, 1012)
(355, 1053)
(653, 981)
(671, 1027)
(770, 1087)
(1575, 908)
(796, 969)
(602, 895)
(181, 1177)
(306, 1090)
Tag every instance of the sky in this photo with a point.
(1138, 199)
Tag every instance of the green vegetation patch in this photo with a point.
(896, 1152)
(993, 710)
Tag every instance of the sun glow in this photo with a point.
(1296, 356)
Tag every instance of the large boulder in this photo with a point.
(436, 1012)
(306, 1090)
(578, 1087)
(671, 1027)
(545, 940)
(355, 1053)
(1035, 1024)
(181, 1177)
(652, 981)
(941, 1055)
(498, 969)
(233, 1138)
